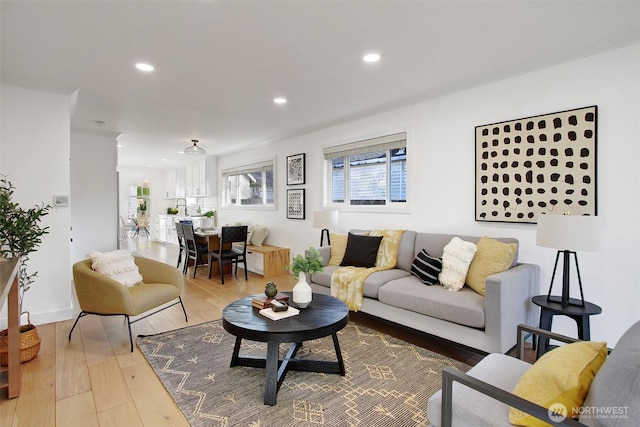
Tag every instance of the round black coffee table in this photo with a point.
(324, 316)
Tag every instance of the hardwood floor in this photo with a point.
(94, 380)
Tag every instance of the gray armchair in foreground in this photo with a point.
(483, 396)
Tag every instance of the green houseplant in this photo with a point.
(21, 234)
(310, 263)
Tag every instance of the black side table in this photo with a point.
(580, 314)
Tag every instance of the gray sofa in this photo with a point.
(486, 323)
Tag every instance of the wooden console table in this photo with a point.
(10, 374)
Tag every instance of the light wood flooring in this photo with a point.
(94, 380)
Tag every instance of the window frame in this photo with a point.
(381, 142)
(262, 166)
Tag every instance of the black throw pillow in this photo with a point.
(426, 268)
(361, 251)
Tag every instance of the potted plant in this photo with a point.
(208, 223)
(21, 234)
(311, 263)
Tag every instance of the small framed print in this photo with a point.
(295, 169)
(295, 204)
(60, 201)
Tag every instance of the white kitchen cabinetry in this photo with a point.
(170, 183)
(197, 179)
(160, 231)
(175, 183)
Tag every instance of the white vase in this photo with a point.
(302, 291)
(206, 222)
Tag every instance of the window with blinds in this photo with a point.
(371, 172)
(250, 185)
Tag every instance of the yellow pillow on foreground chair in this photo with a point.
(560, 378)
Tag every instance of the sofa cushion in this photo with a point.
(362, 251)
(465, 307)
(426, 268)
(406, 250)
(338, 246)
(492, 257)
(371, 284)
(560, 377)
(456, 259)
(434, 243)
(617, 384)
(118, 265)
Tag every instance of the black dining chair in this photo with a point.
(194, 250)
(228, 253)
(181, 246)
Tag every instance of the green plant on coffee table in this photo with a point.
(20, 233)
(311, 263)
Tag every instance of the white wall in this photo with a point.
(35, 141)
(94, 190)
(441, 150)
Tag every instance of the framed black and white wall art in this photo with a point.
(295, 204)
(295, 169)
(537, 164)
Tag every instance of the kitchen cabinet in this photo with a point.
(196, 177)
(160, 229)
(175, 183)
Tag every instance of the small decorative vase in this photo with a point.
(302, 291)
(271, 290)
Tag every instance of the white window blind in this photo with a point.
(382, 143)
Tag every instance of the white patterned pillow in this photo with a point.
(457, 257)
(118, 265)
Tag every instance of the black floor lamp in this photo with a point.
(325, 220)
(568, 234)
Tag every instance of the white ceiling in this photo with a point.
(219, 64)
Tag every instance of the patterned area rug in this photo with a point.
(387, 382)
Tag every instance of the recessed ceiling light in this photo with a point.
(280, 100)
(371, 57)
(119, 145)
(164, 160)
(144, 67)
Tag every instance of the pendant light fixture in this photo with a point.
(194, 150)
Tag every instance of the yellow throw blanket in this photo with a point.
(347, 283)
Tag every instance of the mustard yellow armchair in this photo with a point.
(101, 295)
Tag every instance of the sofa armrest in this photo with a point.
(449, 375)
(508, 303)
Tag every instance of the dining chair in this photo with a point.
(194, 250)
(126, 227)
(141, 223)
(181, 246)
(228, 253)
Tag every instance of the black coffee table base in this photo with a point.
(276, 368)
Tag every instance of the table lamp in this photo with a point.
(567, 233)
(325, 220)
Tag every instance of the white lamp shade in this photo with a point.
(568, 232)
(325, 219)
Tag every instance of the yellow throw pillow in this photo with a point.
(560, 377)
(338, 247)
(492, 257)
